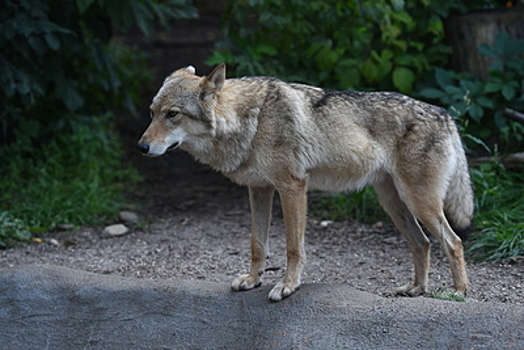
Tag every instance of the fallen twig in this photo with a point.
(514, 115)
(509, 161)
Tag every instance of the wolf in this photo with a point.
(271, 135)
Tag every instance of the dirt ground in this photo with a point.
(195, 224)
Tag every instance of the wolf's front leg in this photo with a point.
(294, 205)
(260, 200)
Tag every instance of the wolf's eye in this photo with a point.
(171, 114)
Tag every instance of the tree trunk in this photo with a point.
(465, 32)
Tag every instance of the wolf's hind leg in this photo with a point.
(407, 224)
(432, 217)
(260, 199)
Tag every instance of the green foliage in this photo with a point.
(336, 44)
(55, 56)
(362, 206)
(61, 71)
(12, 230)
(447, 295)
(74, 178)
(499, 207)
(478, 104)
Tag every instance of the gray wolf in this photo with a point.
(270, 135)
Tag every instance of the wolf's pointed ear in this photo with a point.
(182, 71)
(212, 84)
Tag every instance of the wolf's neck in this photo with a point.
(231, 145)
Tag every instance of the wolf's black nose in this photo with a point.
(142, 147)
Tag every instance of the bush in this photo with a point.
(74, 178)
(56, 57)
(498, 217)
(60, 74)
(479, 105)
(12, 230)
(385, 45)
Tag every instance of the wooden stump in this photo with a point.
(464, 33)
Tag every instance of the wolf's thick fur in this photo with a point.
(271, 135)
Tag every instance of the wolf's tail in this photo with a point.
(459, 204)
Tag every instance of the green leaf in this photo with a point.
(508, 92)
(326, 57)
(383, 69)
(38, 229)
(500, 120)
(458, 109)
(404, 59)
(432, 93)
(443, 77)
(467, 85)
(69, 95)
(52, 41)
(387, 54)
(487, 51)
(218, 57)
(390, 33)
(455, 91)
(478, 141)
(143, 17)
(492, 87)
(267, 49)
(349, 78)
(403, 79)
(401, 44)
(505, 46)
(486, 102)
(37, 44)
(476, 112)
(497, 66)
(369, 71)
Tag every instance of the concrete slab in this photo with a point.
(50, 307)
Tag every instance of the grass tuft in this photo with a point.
(499, 209)
(362, 206)
(77, 177)
(447, 294)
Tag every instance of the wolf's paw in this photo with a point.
(282, 290)
(411, 290)
(246, 282)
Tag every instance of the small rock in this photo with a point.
(326, 223)
(54, 242)
(129, 217)
(116, 230)
(378, 225)
(65, 227)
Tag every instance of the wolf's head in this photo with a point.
(182, 112)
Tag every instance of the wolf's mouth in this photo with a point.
(173, 146)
